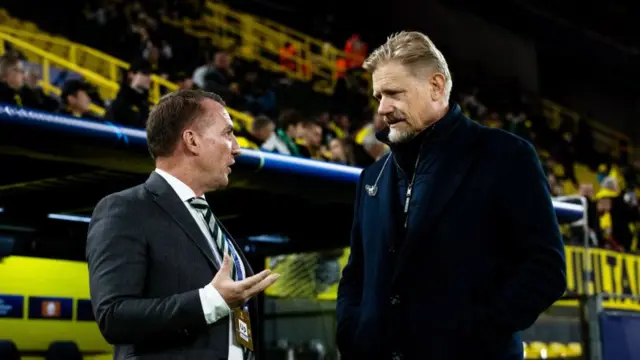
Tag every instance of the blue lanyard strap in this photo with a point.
(238, 265)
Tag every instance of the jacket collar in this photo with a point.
(167, 198)
(428, 140)
(438, 131)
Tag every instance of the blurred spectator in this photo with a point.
(342, 151)
(32, 79)
(356, 50)
(131, 105)
(12, 83)
(220, 78)
(287, 57)
(160, 61)
(75, 99)
(604, 205)
(554, 184)
(261, 130)
(183, 80)
(309, 140)
(289, 128)
(367, 148)
(200, 72)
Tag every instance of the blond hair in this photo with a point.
(414, 50)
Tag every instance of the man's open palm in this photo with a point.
(236, 293)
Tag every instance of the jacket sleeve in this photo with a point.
(531, 225)
(350, 286)
(117, 256)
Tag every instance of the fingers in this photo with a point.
(226, 265)
(261, 286)
(251, 281)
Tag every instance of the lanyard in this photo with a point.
(236, 260)
(238, 265)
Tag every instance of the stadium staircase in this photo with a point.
(261, 39)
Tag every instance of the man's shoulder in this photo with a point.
(123, 203)
(503, 144)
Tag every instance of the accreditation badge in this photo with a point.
(242, 328)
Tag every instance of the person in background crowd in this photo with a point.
(32, 79)
(75, 99)
(423, 202)
(221, 77)
(262, 129)
(366, 139)
(289, 129)
(309, 140)
(131, 105)
(183, 80)
(12, 83)
(342, 152)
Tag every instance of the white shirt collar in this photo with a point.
(183, 190)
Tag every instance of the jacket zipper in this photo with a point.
(407, 200)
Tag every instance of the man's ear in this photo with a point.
(191, 141)
(437, 82)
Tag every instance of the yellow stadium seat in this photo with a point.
(557, 350)
(537, 350)
(574, 349)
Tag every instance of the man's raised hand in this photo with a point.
(236, 293)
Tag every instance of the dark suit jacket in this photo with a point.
(481, 258)
(147, 259)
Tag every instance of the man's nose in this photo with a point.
(235, 147)
(385, 107)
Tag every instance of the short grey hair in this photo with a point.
(412, 49)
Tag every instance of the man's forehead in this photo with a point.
(226, 116)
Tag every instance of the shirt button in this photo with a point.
(392, 249)
(395, 300)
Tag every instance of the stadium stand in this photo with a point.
(268, 71)
(264, 68)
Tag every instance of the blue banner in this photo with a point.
(11, 306)
(619, 333)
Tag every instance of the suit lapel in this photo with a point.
(169, 201)
(456, 160)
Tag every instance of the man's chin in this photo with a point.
(222, 183)
(398, 136)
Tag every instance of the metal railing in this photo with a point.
(107, 87)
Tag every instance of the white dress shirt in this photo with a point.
(213, 305)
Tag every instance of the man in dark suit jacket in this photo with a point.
(455, 247)
(154, 249)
